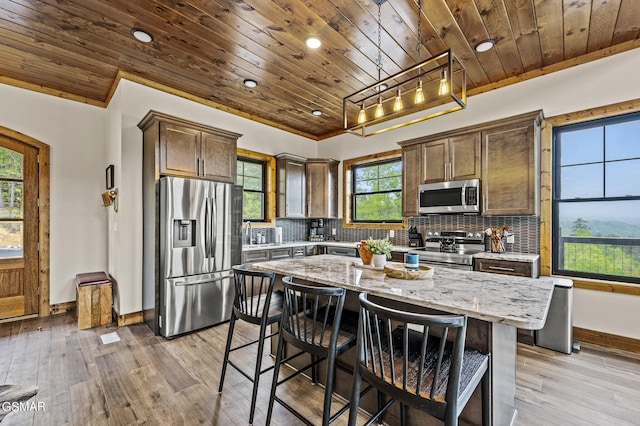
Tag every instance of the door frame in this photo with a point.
(44, 308)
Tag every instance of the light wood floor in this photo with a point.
(144, 379)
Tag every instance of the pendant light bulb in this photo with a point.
(362, 115)
(397, 104)
(419, 98)
(444, 84)
(379, 112)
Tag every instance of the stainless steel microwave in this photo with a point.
(459, 196)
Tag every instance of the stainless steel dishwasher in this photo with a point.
(557, 333)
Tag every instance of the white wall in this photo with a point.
(76, 134)
(603, 82)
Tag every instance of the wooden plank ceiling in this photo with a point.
(204, 49)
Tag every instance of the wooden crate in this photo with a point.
(93, 299)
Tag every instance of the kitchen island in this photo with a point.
(495, 304)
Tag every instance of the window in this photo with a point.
(11, 203)
(251, 175)
(596, 199)
(377, 191)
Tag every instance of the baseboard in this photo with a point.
(127, 319)
(61, 308)
(606, 339)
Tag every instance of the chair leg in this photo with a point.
(486, 395)
(355, 396)
(256, 375)
(232, 323)
(314, 370)
(403, 414)
(328, 391)
(274, 382)
(380, 406)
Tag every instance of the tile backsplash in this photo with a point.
(525, 228)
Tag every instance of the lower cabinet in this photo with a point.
(276, 253)
(507, 267)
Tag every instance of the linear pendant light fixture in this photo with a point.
(428, 89)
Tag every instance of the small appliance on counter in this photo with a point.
(316, 230)
(415, 238)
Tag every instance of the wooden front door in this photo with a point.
(18, 229)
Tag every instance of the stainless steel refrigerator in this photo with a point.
(200, 238)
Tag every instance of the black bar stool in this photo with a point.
(257, 303)
(400, 358)
(311, 322)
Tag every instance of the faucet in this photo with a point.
(249, 232)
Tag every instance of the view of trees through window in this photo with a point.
(597, 199)
(11, 195)
(377, 191)
(251, 175)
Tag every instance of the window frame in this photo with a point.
(269, 182)
(266, 204)
(556, 200)
(347, 175)
(354, 193)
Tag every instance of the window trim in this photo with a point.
(263, 192)
(556, 201)
(354, 194)
(347, 174)
(547, 176)
(270, 185)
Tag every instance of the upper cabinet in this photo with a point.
(511, 167)
(504, 154)
(188, 149)
(291, 177)
(411, 166)
(322, 188)
(452, 158)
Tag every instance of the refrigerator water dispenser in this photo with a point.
(184, 234)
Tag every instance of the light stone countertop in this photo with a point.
(513, 257)
(348, 244)
(516, 301)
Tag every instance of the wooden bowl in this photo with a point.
(398, 270)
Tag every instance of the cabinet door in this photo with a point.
(411, 162)
(322, 188)
(435, 157)
(291, 189)
(464, 157)
(280, 253)
(179, 150)
(255, 256)
(509, 170)
(218, 157)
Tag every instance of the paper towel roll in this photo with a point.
(278, 234)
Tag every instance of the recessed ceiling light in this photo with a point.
(316, 112)
(485, 45)
(250, 83)
(313, 42)
(142, 35)
(382, 87)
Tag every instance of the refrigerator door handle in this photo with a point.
(204, 281)
(207, 228)
(214, 225)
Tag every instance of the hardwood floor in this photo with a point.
(145, 379)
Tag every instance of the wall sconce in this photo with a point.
(110, 197)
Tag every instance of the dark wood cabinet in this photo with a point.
(507, 267)
(511, 168)
(411, 166)
(453, 158)
(291, 186)
(504, 154)
(189, 149)
(322, 188)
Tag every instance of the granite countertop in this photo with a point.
(513, 257)
(516, 301)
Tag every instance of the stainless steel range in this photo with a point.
(450, 249)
